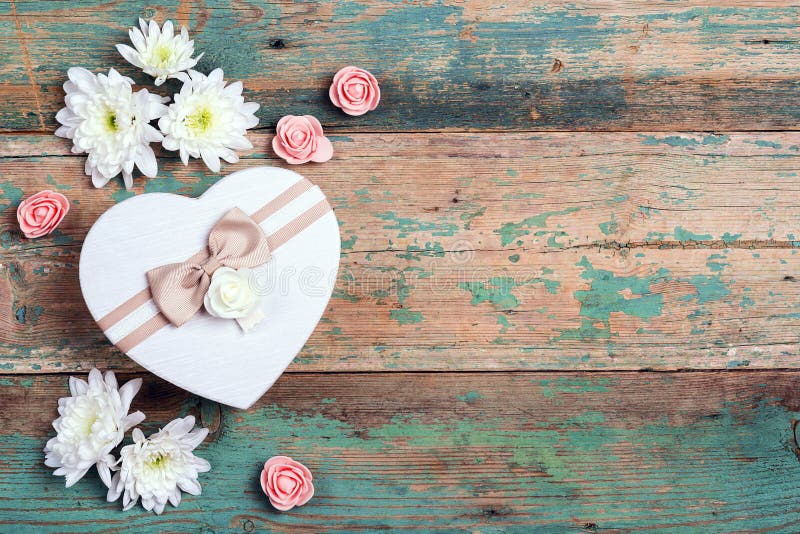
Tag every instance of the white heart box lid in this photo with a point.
(209, 356)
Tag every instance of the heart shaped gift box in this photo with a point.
(209, 356)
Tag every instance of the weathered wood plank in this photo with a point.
(482, 251)
(482, 452)
(588, 309)
(619, 65)
(543, 192)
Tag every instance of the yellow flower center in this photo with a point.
(199, 121)
(163, 54)
(111, 121)
(89, 423)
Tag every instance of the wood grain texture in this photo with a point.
(481, 231)
(488, 452)
(463, 65)
(481, 251)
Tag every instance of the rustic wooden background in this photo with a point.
(568, 298)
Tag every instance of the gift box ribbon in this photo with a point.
(236, 241)
(178, 289)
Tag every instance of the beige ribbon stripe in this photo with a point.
(124, 309)
(150, 327)
(298, 224)
(271, 207)
(275, 240)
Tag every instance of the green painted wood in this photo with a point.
(496, 452)
(442, 65)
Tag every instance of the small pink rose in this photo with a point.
(286, 482)
(355, 90)
(39, 214)
(299, 139)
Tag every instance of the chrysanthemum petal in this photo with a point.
(130, 55)
(146, 162)
(208, 119)
(211, 160)
(77, 386)
(177, 467)
(159, 52)
(89, 427)
(129, 390)
(106, 120)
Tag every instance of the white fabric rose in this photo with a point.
(231, 296)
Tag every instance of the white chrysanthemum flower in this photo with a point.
(208, 119)
(159, 467)
(159, 52)
(108, 121)
(92, 422)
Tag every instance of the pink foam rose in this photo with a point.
(39, 214)
(355, 90)
(286, 482)
(299, 139)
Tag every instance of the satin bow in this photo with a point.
(178, 288)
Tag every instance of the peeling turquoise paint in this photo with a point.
(25, 315)
(469, 217)
(680, 141)
(605, 297)
(404, 316)
(407, 225)
(551, 238)
(746, 302)
(647, 211)
(343, 295)
(729, 238)
(685, 236)
(20, 314)
(122, 194)
(470, 397)
(498, 290)
(501, 182)
(717, 266)
(765, 144)
(511, 231)
(416, 253)
(60, 238)
(514, 258)
(52, 181)
(11, 193)
(348, 244)
(708, 288)
(166, 182)
(7, 239)
(503, 321)
(521, 196)
(609, 227)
